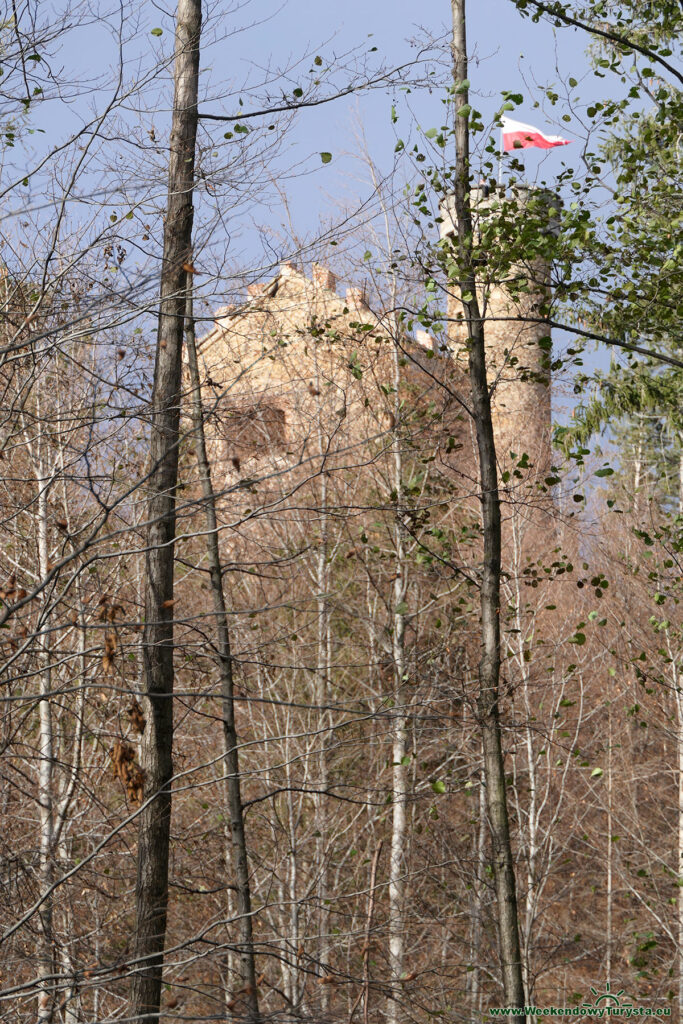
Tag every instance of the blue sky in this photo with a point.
(288, 190)
(241, 40)
(508, 52)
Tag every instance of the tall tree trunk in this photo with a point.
(678, 691)
(489, 665)
(531, 838)
(679, 844)
(609, 894)
(157, 655)
(474, 975)
(292, 963)
(397, 855)
(322, 698)
(225, 666)
(46, 944)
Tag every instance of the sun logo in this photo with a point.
(607, 997)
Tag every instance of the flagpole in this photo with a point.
(500, 158)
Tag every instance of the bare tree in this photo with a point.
(158, 669)
(489, 667)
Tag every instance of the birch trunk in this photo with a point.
(679, 708)
(157, 652)
(397, 855)
(46, 958)
(225, 667)
(478, 891)
(294, 989)
(489, 665)
(609, 893)
(679, 738)
(323, 715)
(71, 1001)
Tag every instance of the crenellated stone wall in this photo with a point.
(298, 372)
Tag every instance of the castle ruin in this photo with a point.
(298, 371)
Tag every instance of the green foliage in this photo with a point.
(631, 288)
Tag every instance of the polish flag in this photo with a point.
(522, 136)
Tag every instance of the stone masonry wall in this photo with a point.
(518, 357)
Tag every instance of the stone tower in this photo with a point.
(518, 347)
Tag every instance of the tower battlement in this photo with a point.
(518, 343)
(298, 367)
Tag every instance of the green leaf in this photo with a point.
(438, 786)
(157, 32)
(326, 157)
(596, 773)
(401, 609)
(605, 471)
(465, 110)
(431, 133)
(298, 93)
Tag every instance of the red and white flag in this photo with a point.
(517, 135)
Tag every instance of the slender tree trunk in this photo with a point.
(364, 993)
(295, 987)
(476, 909)
(637, 470)
(322, 696)
(489, 666)
(609, 894)
(46, 956)
(157, 655)
(679, 868)
(533, 801)
(225, 667)
(679, 722)
(71, 1000)
(397, 855)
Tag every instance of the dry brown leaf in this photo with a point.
(137, 719)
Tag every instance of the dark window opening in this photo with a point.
(255, 431)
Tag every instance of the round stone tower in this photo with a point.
(511, 303)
